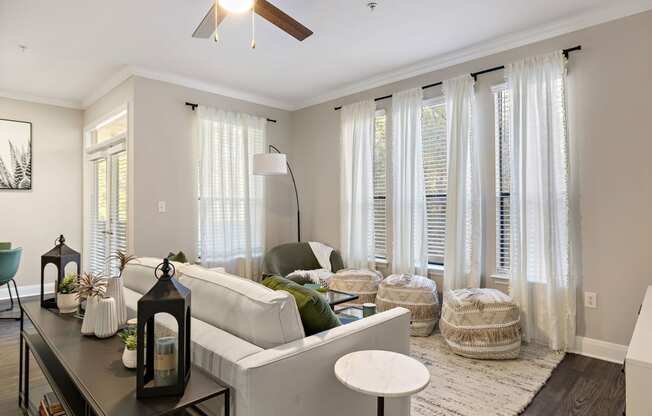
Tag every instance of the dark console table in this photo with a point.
(87, 374)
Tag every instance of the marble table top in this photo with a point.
(382, 373)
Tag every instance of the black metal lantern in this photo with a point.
(163, 363)
(60, 256)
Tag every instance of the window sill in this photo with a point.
(432, 268)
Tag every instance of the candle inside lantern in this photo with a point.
(165, 361)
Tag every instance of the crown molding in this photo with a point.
(113, 81)
(76, 105)
(561, 27)
(129, 71)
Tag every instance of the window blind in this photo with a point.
(380, 184)
(436, 177)
(503, 180)
(119, 209)
(98, 247)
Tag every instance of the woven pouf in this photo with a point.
(363, 283)
(416, 293)
(481, 323)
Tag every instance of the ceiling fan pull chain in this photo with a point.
(253, 26)
(216, 38)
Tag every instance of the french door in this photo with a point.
(108, 209)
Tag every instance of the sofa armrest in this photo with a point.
(297, 378)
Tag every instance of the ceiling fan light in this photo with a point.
(236, 6)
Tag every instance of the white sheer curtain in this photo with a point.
(462, 256)
(357, 156)
(543, 282)
(231, 198)
(409, 243)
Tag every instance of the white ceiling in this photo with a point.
(74, 47)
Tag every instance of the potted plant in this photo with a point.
(128, 337)
(92, 288)
(67, 298)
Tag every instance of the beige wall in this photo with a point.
(610, 106)
(34, 219)
(165, 167)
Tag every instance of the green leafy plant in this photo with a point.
(20, 174)
(128, 337)
(68, 285)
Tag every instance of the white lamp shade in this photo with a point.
(267, 164)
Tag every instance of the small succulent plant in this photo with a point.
(128, 337)
(91, 285)
(69, 284)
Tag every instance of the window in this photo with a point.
(503, 181)
(231, 199)
(433, 129)
(435, 168)
(380, 184)
(106, 194)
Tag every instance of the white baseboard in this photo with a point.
(601, 350)
(28, 291)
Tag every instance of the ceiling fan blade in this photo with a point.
(277, 17)
(208, 25)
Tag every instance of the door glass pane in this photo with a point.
(118, 208)
(98, 249)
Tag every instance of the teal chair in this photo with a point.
(9, 262)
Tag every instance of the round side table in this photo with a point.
(382, 374)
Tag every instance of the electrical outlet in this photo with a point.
(162, 207)
(590, 300)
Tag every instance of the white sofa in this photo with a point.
(250, 338)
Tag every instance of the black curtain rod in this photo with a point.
(194, 106)
(473, 74)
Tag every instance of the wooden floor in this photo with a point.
(578, 386)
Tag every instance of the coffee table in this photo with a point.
(382, 374)
(335, 297)
(87, 374)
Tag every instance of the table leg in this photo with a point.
(26, 377)
(227, 403)
(381, 406)
(20, 363)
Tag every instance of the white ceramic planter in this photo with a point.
(88, 324)
(67, 302)
(129, 358)
(106, 318)
(115, 290)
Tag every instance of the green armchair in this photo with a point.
(286, 258)
(9, 262)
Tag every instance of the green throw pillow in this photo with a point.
(179, 257)
(5, 246)
(316, 314)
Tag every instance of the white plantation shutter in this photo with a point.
(380, 184)
(433, 134)
(118, 207)
(503, 180)
(97, 250)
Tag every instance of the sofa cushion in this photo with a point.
(316, 313)
(242, 307)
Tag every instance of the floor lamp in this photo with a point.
(272, 164)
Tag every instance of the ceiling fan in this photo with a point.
(221, 8)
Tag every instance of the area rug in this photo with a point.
(464, 387)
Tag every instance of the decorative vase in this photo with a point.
(129, 358)
(106, 319)
(67, 302)
(115, 290)
(88, 324)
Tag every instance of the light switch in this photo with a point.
(162, 207)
